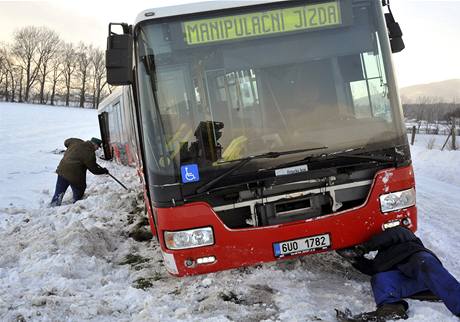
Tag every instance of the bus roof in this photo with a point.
(195, 7)
(109, 99)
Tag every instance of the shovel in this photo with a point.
(121, 184)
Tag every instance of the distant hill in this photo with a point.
(445, 91)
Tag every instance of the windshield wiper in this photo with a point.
(369, 157)
(349, 153)
(243, 161)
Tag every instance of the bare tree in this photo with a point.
(16, 76)
(69, 65)
(98, 71)
(12, 74)
(4, 73)
(57, 70)
(83, 64)
(38, 67)
(3, 56)
(18, 73)
(26, 49)
(422, 102)
(48, 48)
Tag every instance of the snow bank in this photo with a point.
(430, 161)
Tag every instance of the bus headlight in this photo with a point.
(397, 200)
(189, 238)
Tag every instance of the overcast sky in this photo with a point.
(431, 29)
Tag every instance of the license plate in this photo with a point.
(302, 245)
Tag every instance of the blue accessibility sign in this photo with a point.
(190, 173)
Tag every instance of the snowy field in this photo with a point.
(78, 263)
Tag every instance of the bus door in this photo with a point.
(177, 113)
(234, 101)
(105, 134)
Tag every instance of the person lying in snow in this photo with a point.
(402, 268)
(79, 157)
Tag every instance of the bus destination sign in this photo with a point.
(307, 17)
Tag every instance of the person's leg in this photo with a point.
(61, 187)
(388, 294)
(393, 286)
(77, 193)
(427, 269)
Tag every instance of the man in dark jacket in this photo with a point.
(402, 268)
(79, 157)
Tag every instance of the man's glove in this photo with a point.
(352, 252)
(105, 171)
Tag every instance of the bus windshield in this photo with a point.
(216, 87)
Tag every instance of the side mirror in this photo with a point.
(395, 33)
(119, 56)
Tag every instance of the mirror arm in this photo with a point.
(127, 29)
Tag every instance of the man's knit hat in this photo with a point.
(96, 141)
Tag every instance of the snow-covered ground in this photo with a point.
(30, 134)
(78, 263)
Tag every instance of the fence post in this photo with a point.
(447, 140)
(413, 135)
(454, 134)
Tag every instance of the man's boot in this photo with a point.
(425, 296)
(385, 312)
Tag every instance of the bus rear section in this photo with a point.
(268, 131)
(118, 127)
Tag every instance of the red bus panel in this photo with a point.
(240, 247)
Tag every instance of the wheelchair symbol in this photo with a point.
(190, 173)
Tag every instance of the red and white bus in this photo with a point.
(262, 130)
